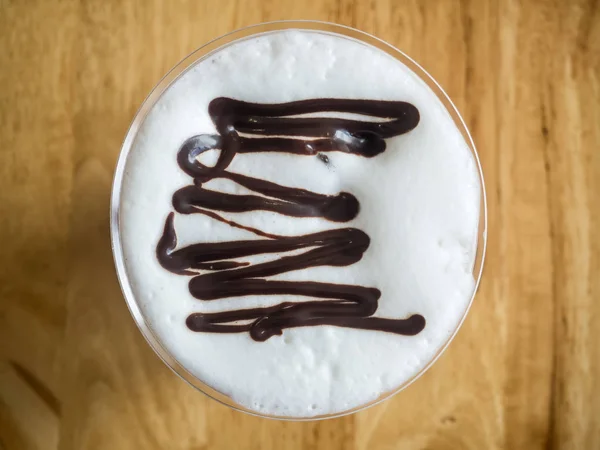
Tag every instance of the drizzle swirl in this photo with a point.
(215, 267)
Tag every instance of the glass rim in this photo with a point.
(156, 93)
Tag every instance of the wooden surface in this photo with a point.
(75, 374)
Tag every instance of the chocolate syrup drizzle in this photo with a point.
(216, 269)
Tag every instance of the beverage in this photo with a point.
(299, 221)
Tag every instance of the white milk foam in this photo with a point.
(419, 205)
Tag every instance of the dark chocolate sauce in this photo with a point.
(215, 267)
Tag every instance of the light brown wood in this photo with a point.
(75, 374)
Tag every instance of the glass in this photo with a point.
(163, 85)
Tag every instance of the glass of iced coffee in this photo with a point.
(298, 220)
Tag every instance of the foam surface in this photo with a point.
(419, 204)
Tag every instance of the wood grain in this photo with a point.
(75, 374)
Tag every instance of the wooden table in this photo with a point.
(76, 374)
